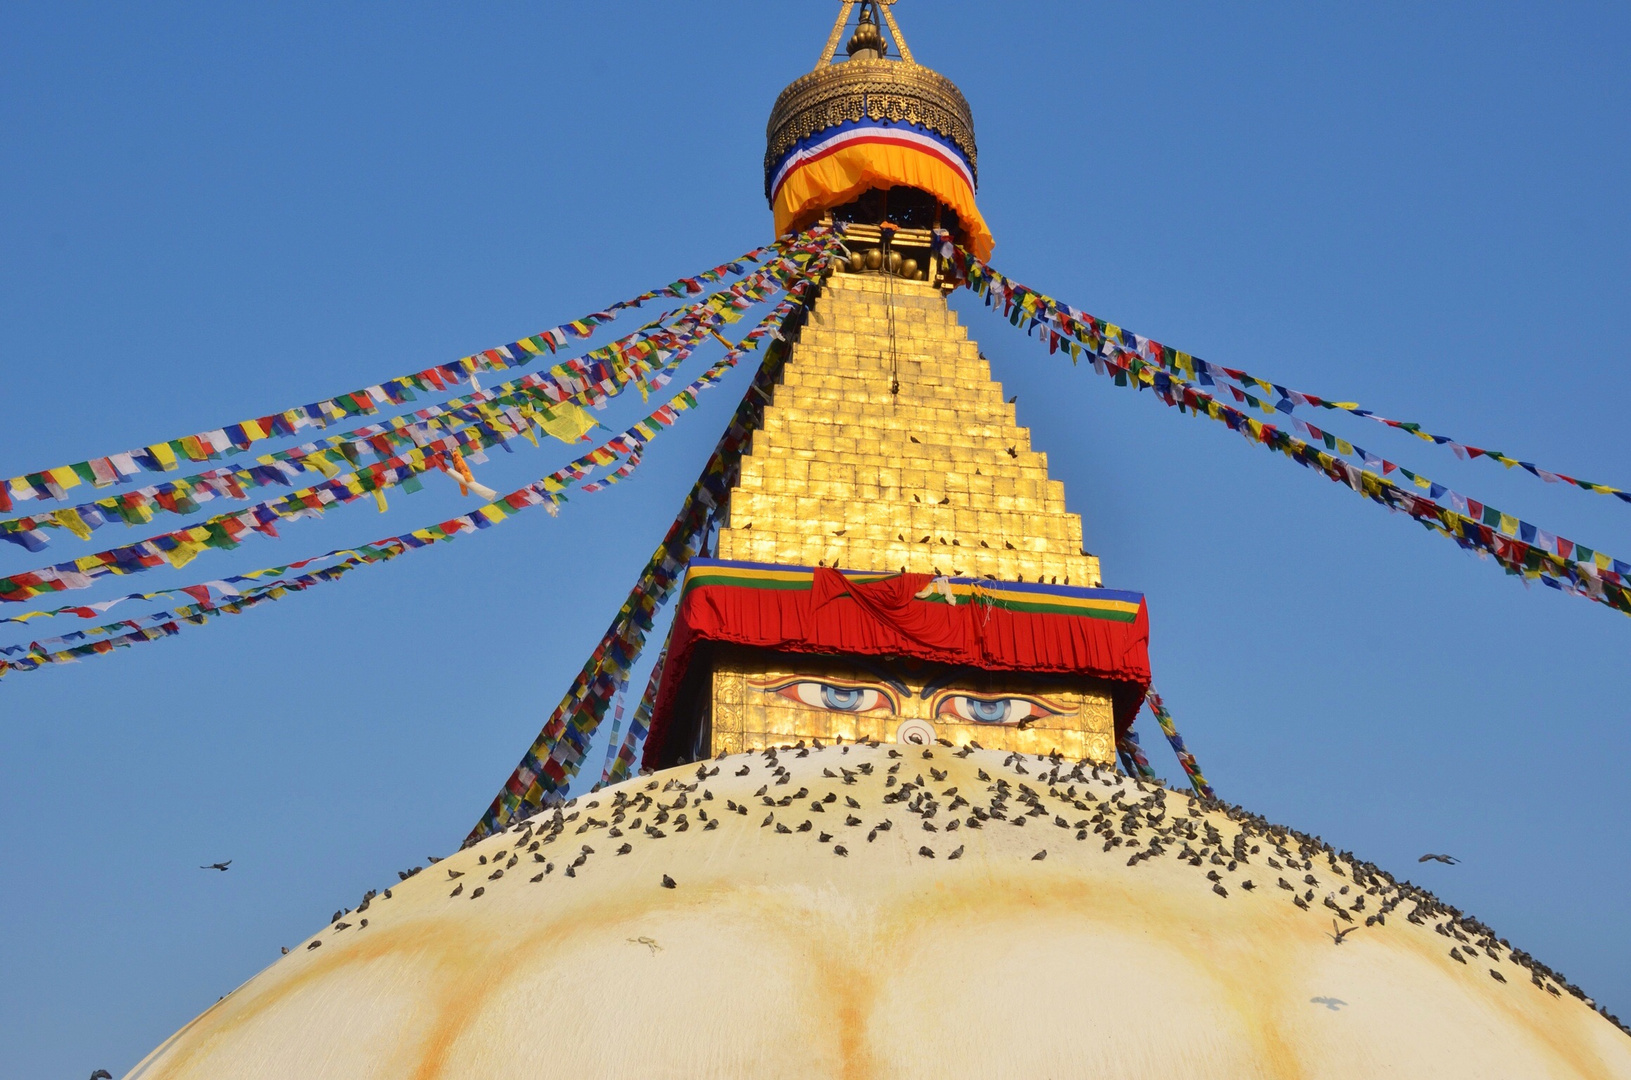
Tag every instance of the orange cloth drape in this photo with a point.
(842, 175)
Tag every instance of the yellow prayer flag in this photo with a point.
(566, 421)
(183, 553)
(70, 520)
(319, 461)
(1344, 446)
(165, 456)
(379, 499)
(64, 477)
(253, 429)
(1508, 525)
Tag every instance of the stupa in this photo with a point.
(882, 831)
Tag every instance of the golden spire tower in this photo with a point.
(888, 449)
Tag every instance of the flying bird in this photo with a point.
(1447, 860)
(217, 866)
(1341, 934)
(103, 1074)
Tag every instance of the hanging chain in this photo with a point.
(889, 319)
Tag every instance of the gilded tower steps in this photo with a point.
(843, 472)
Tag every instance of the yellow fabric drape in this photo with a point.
(841, 176)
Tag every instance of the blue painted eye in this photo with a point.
(844, 698)
(989, 712)
(1002, 710)
(835, 697)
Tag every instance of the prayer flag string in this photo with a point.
(1186, 759)
(1062, 319)
(620, 762)
(1133, 761)
(547, 492)
(54, 483)
(1521, 548)
(591, 379)
(448, 453)
(557, 753)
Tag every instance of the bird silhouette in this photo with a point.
(1448, 860)
(217, 866)
(1341, 933)
(668, 882)
(103, 1074)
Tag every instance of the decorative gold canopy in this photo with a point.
(877, 89)
(870, 87)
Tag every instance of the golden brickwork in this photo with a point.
(754, 707)
(844, 473)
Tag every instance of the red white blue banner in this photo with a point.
(829, 141)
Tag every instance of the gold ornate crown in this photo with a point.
(868, 85)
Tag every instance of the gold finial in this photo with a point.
(867, 43)
(870, 10)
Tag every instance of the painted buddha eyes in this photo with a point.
(835, 696)
(991, 710)
(845, 696)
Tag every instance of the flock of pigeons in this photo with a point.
(1338, 935)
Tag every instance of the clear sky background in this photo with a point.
(213, 212)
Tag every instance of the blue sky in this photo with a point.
(208, 213)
